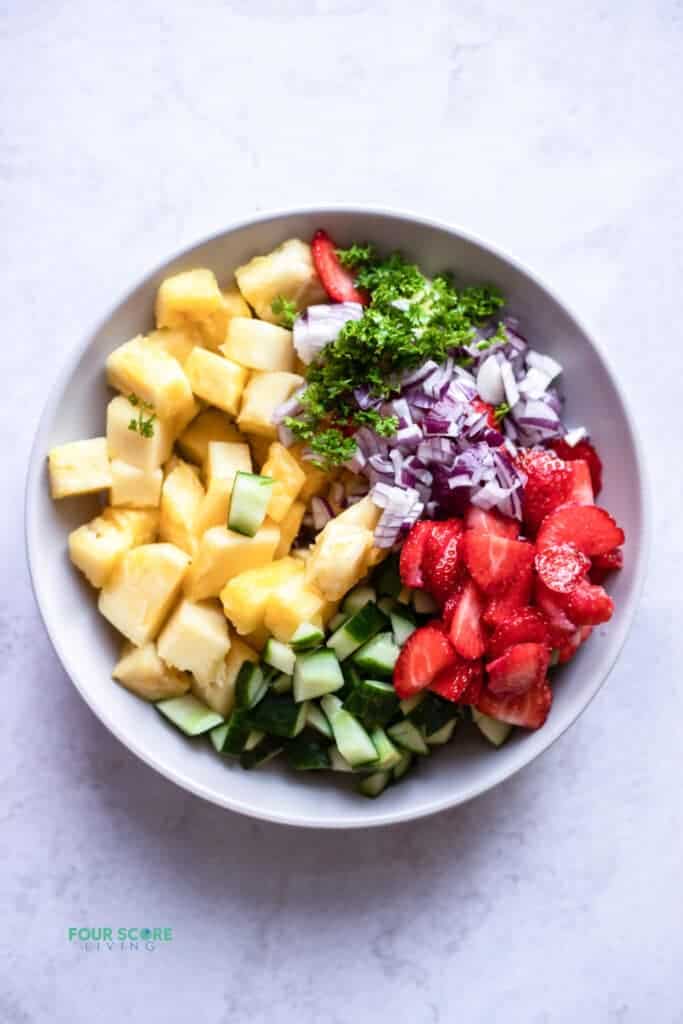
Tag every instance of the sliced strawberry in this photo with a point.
(412, 552)
(337, 281)
(529, 710)
(561, 566)
(425, 653)
(475, 686)
(588, 604)
(585, 452)
(490, 521)
(442, 563)
(465, 629)
(516, 594)
(581, 489)
(519, 669)
(568, 648)
(494, 561)
(548, 483)
(590, 528)
(481, 406)
(522, 626)
(552, 607)
(603, 565)
(458, 680)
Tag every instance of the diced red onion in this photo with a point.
(285, 436)
(534, 384)
(320, 325)
(490, 381)
(550, 367)
(322, 512)
(509, 383)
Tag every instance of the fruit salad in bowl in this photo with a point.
(344, 518)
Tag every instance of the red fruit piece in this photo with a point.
(590, 528)
(424, 654)
(337, 281)
(581, 487)
(552, 607)
(490, 521)
(588, 604)
(522, 626)
(412, 552)
(547, 485)
(465, 627)
(519, 669)
(561, 566)
(458, 681)
(568, 648)
(442, 563)
(481, 406)
(494, 561)
(529, 710)
(585, 451)
(516, 595)
(603, 565)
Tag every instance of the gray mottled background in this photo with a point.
(132, 128)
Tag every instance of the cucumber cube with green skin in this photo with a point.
(495, 732)
(403, 765)
(357, 630)
(408, 737)
(337, 762)
(402, 627)
(442, 735)
(189, 715)
(318, 721)
(250, 685)
(307, 636)
(337, 620)
(231, 737)
(268, 748)
(388, 756)
(387, 577)
(315, 674)
(279, 656)
(351, 739)
(278, 715)
(408, 703)
(281, 684)
(432, 713)
(375, 784)
(249, 502)
(357, 599)
(305, 754)
(378, 656)
(373, 702)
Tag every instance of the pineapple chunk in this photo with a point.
(96, 547)
(289, 527)
(141, 368)
(224, 459)
(133, 486)
(338, 558)
(260, 446)
(245, 597)
(317, 480)
(139, 594)
(193, 297)
(262, 395)
(259, 345)
(195, 639)
(258, 639)
(211, 425)
(81, 467)
(287, 271)
(141, 670)
(176, 341)
(223, 554)
(235, 304)
(147, 453)
(219, 693)
(289, 478)
(217, 380)
(290, 605)
(364, 513)
(181, 497)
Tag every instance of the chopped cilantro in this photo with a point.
(142, 424)
(501, 411)
(356, 256)
(285, 309)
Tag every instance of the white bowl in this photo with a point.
(87, 647)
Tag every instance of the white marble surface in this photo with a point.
(131, 129)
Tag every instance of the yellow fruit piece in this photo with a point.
(96, 547)
(141, 670)
(338, 558)
(289, 528)
(139, 594)
(245, 597)
(210, 425)
(291, 604)
(181, 497)
(139, 367)
(193, 297)
(289, 478)
(131, 446)
(317, 480)
(219, 693)
(258, 345)
(142, 524)
(81, 467)
(288, 271)
(258, 639)
(176, 341)
(223, 554)
(136, 487)
(223, 460)
(234, 303)
(217, 380)
(262, 395)
(195, 639)
(364, 513)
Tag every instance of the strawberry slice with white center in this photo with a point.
(425, 653)
(490, 521)
(581, 484)
(588, 604)
(494, 561)
(529, 710)
(590, 528)
(463, 615)
(520, 668)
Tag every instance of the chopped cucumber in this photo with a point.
(278, 715)
(217, 736)
(330, 705)
(495, 732)
(268, 748)
(387, 577)
(357, 599)
(402, 627)
(409, 703)
(317, 720)
(403, 765)
(373, 785)
(442, 735)
(423, 603)
(189, 715)
(253, 739)
(373, 701)
(248, 502)
(279, 656)
(408, 736)
(352, 740)
(337, 620)
(433, 712)
(250, 686)
(388, 756)
(316, 673)
(281, 684)
(352, 678)
(306, 755)
(307, 636)
(378, 656)
(232, 737)
(387, 604)
(357, 630)
(337, 762)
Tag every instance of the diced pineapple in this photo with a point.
(142, 368)
(177, 341)
(260, 446)
(141, 670)
(129, 445)
(290, 605)
(217, 380)
(317, 480)
(245, 596)
(195, 639)
(258, 345)
(258, 639)
(139, 594)
(289, 528)
(210, 425)
(235, 304)
(262, 395)
(364, 513)
(287, 271)
(133, 486)
(223, 460)
(142, 524)
(223, 554)
(289, 478)
(181, 497)
(96, 547)
(194, 297)
(219, 693)
(338, 558)
(81, 467)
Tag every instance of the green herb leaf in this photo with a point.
(285, 309)
(501, 411)
(143, 424)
